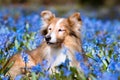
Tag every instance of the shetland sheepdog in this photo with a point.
(59, 34)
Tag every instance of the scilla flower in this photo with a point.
(24, 56)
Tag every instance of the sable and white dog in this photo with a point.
(59, 33)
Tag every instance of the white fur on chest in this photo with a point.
(56, 57)
(60, 58)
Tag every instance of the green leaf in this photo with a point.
(92, 77)
(28, 46)
(17, 45)
(5, 70)
(90, 55)
(32, 36)
(25, 78)
(33, 76)
(27, 26)
(27, 35)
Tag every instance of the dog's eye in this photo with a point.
(60, 30)
(49, 28)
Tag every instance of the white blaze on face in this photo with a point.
(58, 22)
(53, 37)
(53, 34)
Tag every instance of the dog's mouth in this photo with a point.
(50, 43)
(54, 44)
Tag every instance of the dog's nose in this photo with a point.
(47, 38)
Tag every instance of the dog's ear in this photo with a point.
(75, 19)
(47, 17)
(75, 24)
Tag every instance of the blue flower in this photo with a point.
(4, 77)
(44, 64)
(84, 68)
(109, 41)
(38, 39)
(25, 56)
(117, 66)
(109, 76)
(38, 68)
(96, 71)
(18, 77)
(66, 71)
(44, 78)
(3, 40)
(66, 63)
(89, 35)
(111, 65)
(78, 56)
(65, 67)
(64, 51)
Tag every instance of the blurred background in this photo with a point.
(104, 9)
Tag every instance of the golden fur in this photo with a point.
(70, 39)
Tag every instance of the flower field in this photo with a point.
(19, 31)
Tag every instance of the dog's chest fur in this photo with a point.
(55, 56)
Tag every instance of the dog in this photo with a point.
(59, 34)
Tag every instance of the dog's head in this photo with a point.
(56, 29)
